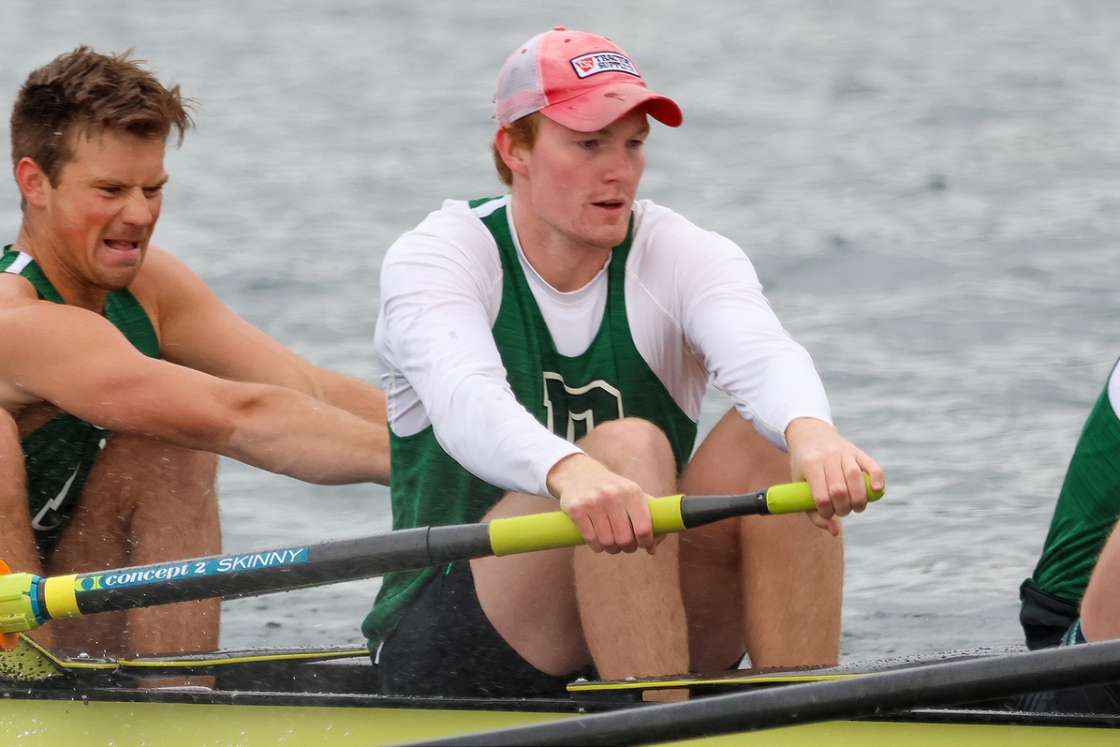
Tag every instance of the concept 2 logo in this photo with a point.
(190, 569)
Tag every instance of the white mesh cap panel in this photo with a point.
(520, 88)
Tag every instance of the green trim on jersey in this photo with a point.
(59, 454)
(569, 395)
(1087, 509)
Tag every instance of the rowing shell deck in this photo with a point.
(325, 697)
(174, 720)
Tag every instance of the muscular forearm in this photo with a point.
(352, 395)
(292, 434)
(271, 427)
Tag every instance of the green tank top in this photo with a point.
(59, 454)
(1088, 507)
(569, 395)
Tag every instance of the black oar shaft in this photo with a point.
(704, 509)
(27, 601)
(246, 574)
(877, 694)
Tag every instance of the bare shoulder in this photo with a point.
(19, 304)
(164, 276)
(36, 333)
(15, 291)
(47, 347)
(168, 289)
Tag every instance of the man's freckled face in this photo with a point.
(105, 207)
(583, 184)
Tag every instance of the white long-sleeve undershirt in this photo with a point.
(695, 309)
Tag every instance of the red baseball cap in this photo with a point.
(579, 80)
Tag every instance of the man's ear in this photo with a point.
(32, 182)
(515, 157)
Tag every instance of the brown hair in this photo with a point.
(83, 92)
(523, 132)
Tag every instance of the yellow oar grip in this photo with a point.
(60, 597)
(554, 529)
(533, 532)
(666, 513)
(795, 496)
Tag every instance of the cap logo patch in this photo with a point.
(604, 62)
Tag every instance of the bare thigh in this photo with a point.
(17, 539)
(770, 585)
(734, 458)
(530, 599)
(559, 609)
(144, 502)
(1100, 607)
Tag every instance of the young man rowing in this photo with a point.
(1073, 596)
(555, 343)
(122, 374)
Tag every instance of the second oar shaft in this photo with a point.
(247, 574)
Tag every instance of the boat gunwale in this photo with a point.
(964, 716)
(199, 696)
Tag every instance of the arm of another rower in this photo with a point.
(197, 330)
(83, 364)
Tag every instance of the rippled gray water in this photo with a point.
(929, 190)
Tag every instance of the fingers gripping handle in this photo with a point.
(551, 530)
(796, 496)
(670, 514)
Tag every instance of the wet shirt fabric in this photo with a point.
(59, 454)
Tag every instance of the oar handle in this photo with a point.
(27, 601)
(795, 497)
(549, 531)
(673, 513)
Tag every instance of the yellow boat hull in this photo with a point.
(52, 723)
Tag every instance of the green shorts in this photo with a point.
(445, 646)
(1045, 618)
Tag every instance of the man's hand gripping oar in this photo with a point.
(27, 601)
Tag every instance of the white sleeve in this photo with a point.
(725, 318)
(440, 291)
(1114, 389)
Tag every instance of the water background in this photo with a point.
(930, 191)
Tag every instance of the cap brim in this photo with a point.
(595, 109)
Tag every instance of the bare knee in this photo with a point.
(144, 501)
(629, 445)
(144, 461)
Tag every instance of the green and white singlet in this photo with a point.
(568, 395)
(1088, 506)
(59, 454)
